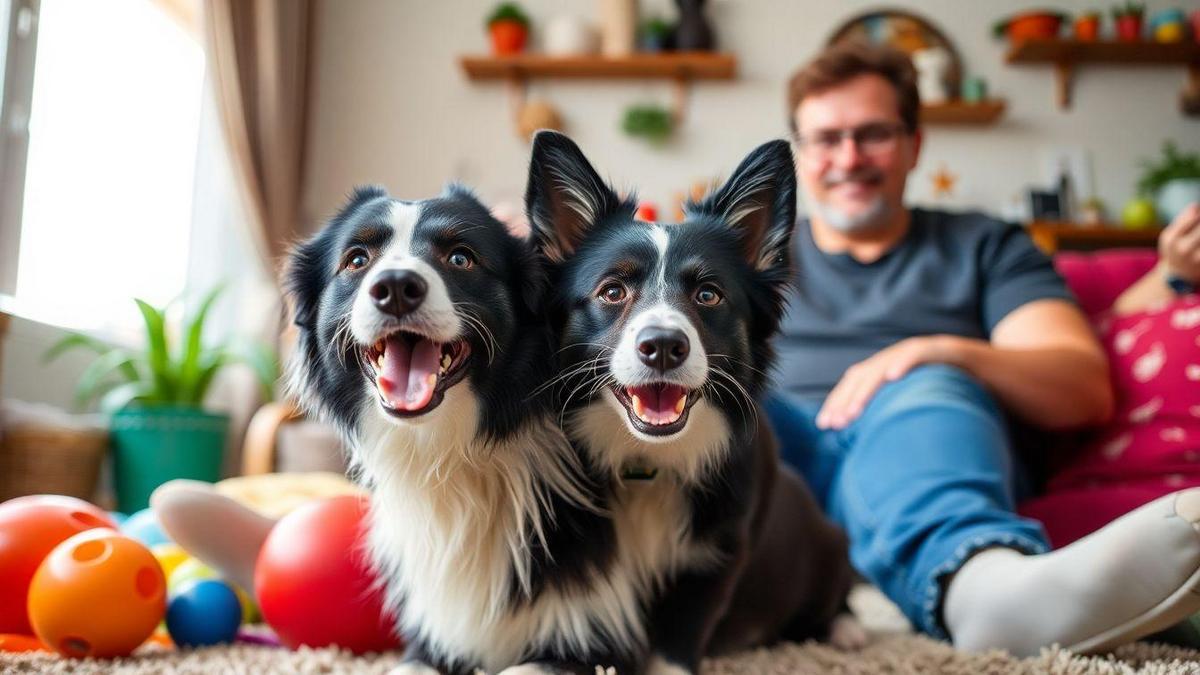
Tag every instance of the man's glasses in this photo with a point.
(876, 138)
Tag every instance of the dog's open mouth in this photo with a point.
(412, 372)
(657, 409)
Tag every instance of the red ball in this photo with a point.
(30, 527)
(315, 584)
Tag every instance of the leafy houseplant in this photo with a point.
(650, 122)
(655, 35)
(159, 430)
(1173, 182)
(508, 27)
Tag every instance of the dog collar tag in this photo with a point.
(638, 473)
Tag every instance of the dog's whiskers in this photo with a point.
(476, 323)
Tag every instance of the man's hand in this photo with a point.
(1179, 244)
(861, 380)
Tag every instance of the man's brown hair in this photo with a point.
(847, 60)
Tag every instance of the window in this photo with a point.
(109, 177)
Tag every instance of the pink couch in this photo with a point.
(1152, 445)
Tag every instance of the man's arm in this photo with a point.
(1043, 363)
(1178, 254)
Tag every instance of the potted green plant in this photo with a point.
(653, 123)
(1173, 182)
(159, 430)
(655, 35)
(508, 27)
(1128, 20)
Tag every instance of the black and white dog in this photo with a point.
(664, 337)
(422, 335)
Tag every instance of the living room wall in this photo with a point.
(391, 104)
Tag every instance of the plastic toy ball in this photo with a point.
(312, 568)
(144, 527)
(12, 643)
(193, 570)
(169, 556)
(202, 613)
(98, 594)
(30, 527)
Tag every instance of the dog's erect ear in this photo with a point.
(565, 196)
(759, 201)
(309, 262)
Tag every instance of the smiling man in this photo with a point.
(910, 336)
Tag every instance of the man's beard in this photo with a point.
(872, 217)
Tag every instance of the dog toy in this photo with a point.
(98, 594)
(191, 570)
(204, 612)
(307, 566)
(312, 567)
(15, 644)
(30, 528)
(143, 526)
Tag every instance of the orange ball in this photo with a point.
(13, 643)
(30, 527)
(98, 594)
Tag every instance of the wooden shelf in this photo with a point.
(679, 67)
(1103, 51)
(1064, 54)
(1053, 236)
(961, 113)
(672, 65)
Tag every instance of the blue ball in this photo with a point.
(203, 612)
(144, 527)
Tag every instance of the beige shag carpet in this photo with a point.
(893, 650)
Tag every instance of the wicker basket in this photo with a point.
(41, 456)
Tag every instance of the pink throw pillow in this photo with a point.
(1151, 447)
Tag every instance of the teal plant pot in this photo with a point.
(156, 444)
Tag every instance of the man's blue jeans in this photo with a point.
(920, 481)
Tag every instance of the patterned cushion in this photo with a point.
(1152, 445)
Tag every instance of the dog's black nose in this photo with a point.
(662, 348)
(398, 292)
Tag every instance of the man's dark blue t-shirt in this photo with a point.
(952, 273)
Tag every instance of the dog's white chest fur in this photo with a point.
(451, 523)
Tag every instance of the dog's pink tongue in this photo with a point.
(422, 374)
(408, 376)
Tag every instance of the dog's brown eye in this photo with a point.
(356, 259)
(612, 293)
(461, 257)
(709, 296)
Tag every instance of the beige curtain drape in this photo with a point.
(258, 54)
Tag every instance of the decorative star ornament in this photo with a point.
(943, 182)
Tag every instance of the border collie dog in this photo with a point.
(664, 345)
(420, 335)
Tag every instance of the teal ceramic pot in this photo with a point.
(153, 445)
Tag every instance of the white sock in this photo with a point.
(1125, 581)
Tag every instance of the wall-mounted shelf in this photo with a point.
(1054, 236)
(961, 113)
(673, 65)
(679, 67)
(1065, 54)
